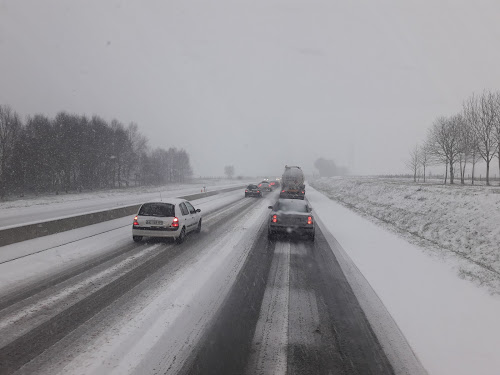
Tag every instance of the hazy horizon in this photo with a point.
(254, 84)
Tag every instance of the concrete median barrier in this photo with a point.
(27, 232)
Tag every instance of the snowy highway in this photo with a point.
(225, 128)
(226, 301)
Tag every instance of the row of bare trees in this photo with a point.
(72, 152)
(462, 140)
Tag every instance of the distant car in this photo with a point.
(172, 219)
(290, 216)
(264, 186)
(253, 191)
(274, 184)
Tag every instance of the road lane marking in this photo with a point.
(269, 346)
(304, 320)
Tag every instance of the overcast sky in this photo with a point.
(255, 83)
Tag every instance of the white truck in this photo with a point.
(292, 183)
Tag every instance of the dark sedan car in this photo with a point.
(291, 216)
(253, 191)
(264, 186)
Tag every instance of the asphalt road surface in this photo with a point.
(226, 301)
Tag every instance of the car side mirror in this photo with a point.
(270, 207)
(198, 210)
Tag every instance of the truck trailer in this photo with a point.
(292, 183)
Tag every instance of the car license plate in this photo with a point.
(154, 222)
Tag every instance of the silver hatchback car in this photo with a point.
(291, 216)
(172, 219)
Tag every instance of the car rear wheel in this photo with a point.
(246, 195)
(311, 237)
(198, 229)
(271, 235)
(137, 238)
(182, 236)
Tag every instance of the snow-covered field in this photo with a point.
(460, 222)
(450, 323)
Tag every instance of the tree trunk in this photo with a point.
(424, 171)
(451, 174)
(446, 173)
(67, 178)
(460, 169)
(487, 173)
(473, 167)
(119, 176)
(463, 173)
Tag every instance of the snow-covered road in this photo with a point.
(359, 300)
(226, 301)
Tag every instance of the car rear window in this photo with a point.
(252, 187)
(295, 205)
(157, 209)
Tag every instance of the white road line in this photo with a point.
(269, 346)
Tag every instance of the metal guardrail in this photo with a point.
(27, 232)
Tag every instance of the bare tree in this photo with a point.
(139, 147)
(434, 150)
(229, 171)
(10, 128)
(471, 117)
(443, 142)
(481, 115)
(465, 145)
(425, 158)
(413, 162)
(497, 127)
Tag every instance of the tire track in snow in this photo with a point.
(270, 341)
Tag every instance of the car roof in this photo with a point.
(297, 202)
(173, 201)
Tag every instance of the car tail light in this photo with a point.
(309, 220)
(175, 222)
(135, 221)
(303, 192)
(282, 191)
(275, 219)
(258, 191)
(246, 191)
